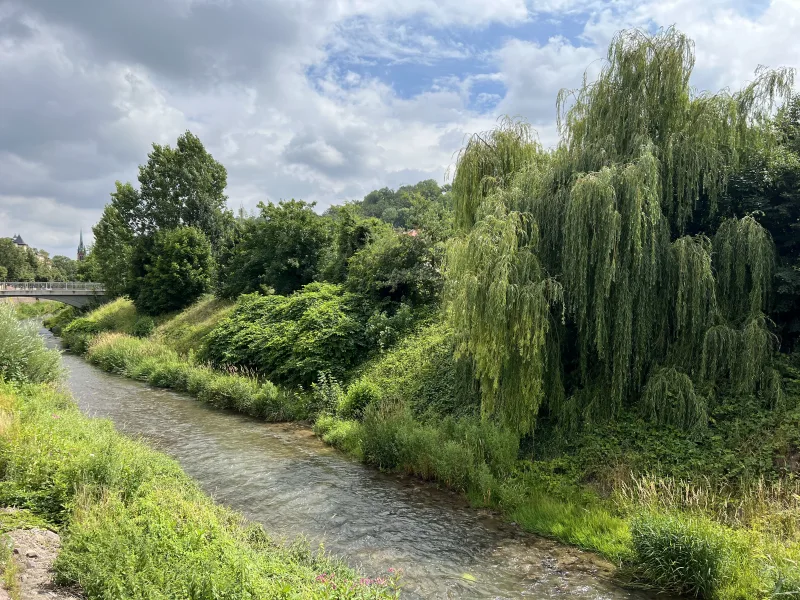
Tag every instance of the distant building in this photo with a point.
(17, 239)
(81, 248)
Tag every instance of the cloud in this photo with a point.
(316, 99)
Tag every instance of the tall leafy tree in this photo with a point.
(113, 243)
(580, 256)
(15, 262)
(181, 186)
(280, 249)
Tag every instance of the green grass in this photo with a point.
(24, 358)
(40, 308)
(135, 525)
(153, 362)
(185, 331)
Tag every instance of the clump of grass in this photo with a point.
(344, 435)
(153, 362)
(9, 568)
(119, 316)
(136, 526)
(24, 358)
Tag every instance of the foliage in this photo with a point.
(422, 372)
(279, 250)
(136, 526)
(564, 272)
(143, 327)
(77, 331)
(40, 308)
(397, 207)
(14, 262)
(395, 268)
(179, 187)
(113, 244)
(351, 233)
(24, 358)
(176, 270)
(290, 339)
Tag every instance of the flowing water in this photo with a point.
(286, 479)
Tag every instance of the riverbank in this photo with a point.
(667, 534)
(135, 525)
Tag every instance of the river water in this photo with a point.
(286, 479)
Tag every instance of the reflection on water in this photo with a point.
(283, 477)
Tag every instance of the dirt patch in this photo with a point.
(34, 551)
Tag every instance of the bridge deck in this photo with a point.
(75, 293)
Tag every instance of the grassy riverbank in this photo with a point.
(133, 524)
(715, 515)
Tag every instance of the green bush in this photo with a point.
(185, 331)
(690, 554)
(360, 394)
(24, 358)
(143, 327)
(291, 339)
(344, 435)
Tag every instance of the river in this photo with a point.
(283, 477)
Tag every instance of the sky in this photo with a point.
(321, 100)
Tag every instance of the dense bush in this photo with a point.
(172, 270)
(24, 358)
(291, 339)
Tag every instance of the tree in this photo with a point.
(113, 245)
(15, 261)
(580, 257)
(179, 187)
(351, 233)
(280, 249)
(396, 268)
(175, 271)
(395, 207)
(65, 268)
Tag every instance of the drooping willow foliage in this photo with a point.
(578, 256)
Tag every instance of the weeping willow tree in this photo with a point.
(578, 256)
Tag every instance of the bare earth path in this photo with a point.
(35, 550)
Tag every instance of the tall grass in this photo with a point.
(155, 363)
(24, 358)
(185, 332)
(40, 308)
(135, 526)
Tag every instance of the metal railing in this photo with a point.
(52, 286)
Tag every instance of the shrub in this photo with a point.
(690, 554)
(360, 394)
(143, 327)
(344, 435)
(291, 339)
(185, 332)
(24, 358)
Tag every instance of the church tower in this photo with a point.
(81, 248)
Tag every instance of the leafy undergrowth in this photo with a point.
(40, 308)
(136, 526)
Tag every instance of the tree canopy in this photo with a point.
(580, 256)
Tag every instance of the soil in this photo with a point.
(35, 551)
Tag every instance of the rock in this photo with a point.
(31, 554)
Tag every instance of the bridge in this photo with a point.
(74, 293)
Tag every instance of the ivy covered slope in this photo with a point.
(133, 524)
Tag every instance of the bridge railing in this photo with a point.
(51, 286)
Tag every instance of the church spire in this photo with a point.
(81, 248)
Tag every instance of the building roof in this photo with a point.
(18, 241)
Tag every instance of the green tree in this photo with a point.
(351, 233)
(396, 268)
(280, 249)
(179, 187)
(573, 267)
(15, 261)
(65, 268)
(175, 271)
(113, 244)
